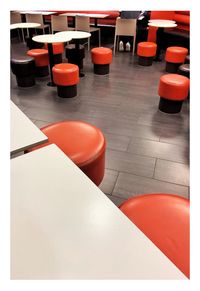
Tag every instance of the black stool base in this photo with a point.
(67, 91)
(145, 61)
(172, 67)
(79, 63)
(25, 81)
(57, 59)
(101, 69)
(42, 71)
(170, 106)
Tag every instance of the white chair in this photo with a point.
(125, 27)
(38, 18)
(82, 23)
(15, 17)
(60, 23)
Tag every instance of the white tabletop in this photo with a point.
(91, 15)
(51, 38)
(64, 227)
(24, 133)
(162, 23)
(74, 34)
(25, 25)
(36, 12)
(162, 20)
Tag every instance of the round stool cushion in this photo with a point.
(184, 70)
(176, 54)
(83, 143)
(65, 74)
(164, 219)
(146, 49)
(173, 87)
(23, 66)
(101, 56)
(58, 48)
(40, 55)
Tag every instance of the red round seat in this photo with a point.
(164, 219)
(173, 87)
(174, 57)
(101, 55)
(101, 58)
(65, 74)
(40, 55)
(83, 143)
(58, 48)
(176, 54)
(146, 49)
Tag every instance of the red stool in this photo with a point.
(66, 77)
(146, 51)
(101, 58)
(83, 143)
(174, 57)
(41, 61)
(58, 49)
(164, 219)
(173, 90)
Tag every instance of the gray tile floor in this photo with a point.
(147, 150)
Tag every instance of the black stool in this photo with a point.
(24, 70)
(73, 58)
(187, 59)
(184, 70)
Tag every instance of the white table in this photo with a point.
(24, 133)
(160, 24)
(91, 15)
(76, 36)
(36, 12)
(26, 25)
(64, 227)
(50, 39)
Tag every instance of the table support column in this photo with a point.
(159, 35)
(51, 64)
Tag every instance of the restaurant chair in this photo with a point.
(38, 18)
(165, 220)
(59, 23)
(82, 23)
(15, 17)
(125, 27)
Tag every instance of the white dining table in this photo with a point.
(160, 24)
(24, 133)
(36, 12)
(64, 227)
(26, 25)
(50, 39)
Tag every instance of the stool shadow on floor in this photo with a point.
(172, 125)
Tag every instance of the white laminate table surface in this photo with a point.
(51, 38)
(162, 23)
(91, 15)
(24, 25)
(36, 12)
(64, 227)
(24, 133)
(74, 34)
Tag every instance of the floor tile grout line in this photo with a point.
(151, 178)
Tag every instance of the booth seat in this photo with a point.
(109, 20)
